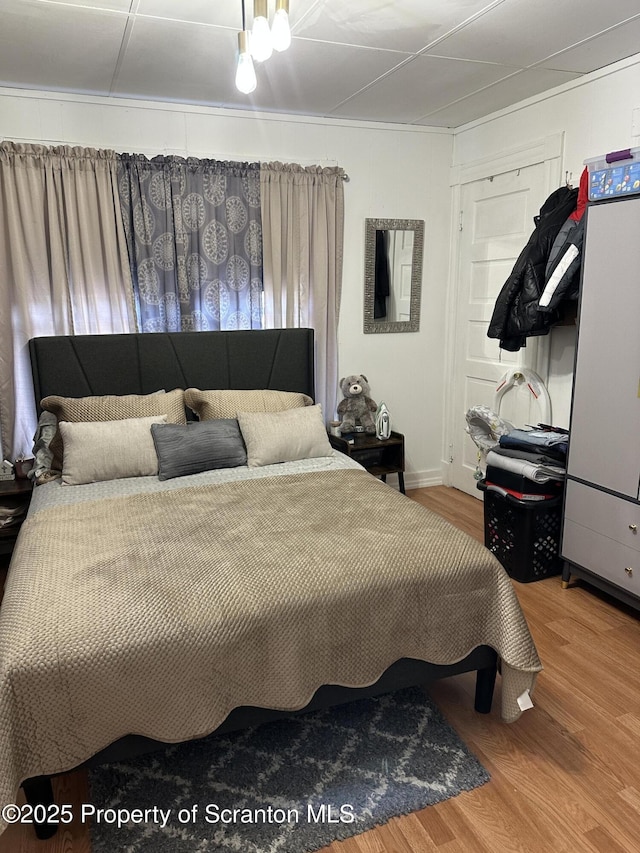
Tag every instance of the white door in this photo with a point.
(497, 219)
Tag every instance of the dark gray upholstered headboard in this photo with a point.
(88, 365)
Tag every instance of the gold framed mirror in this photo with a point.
(392, 275)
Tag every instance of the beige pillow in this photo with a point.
(272, 437)
(209, 405)
(107, 450)
(112, 407)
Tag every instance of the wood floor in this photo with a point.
(565, 777)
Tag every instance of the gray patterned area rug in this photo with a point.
(292, 786)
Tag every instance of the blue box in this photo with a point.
(619, 177)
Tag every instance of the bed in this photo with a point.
(146, 609)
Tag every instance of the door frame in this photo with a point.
(547, 150)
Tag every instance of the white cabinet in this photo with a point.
(602, 509)
(600, 534)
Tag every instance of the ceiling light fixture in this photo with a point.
(245, 72)
(262, 41)
(280, 30)
(261, 45)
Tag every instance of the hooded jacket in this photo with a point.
(562, 280)
(563, 269)
(516, 314)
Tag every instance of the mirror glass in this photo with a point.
(392, 275)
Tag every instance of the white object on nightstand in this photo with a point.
(6, 471)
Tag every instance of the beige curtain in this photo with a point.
(302, 235)
(64, 268)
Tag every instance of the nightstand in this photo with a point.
(379, 456)
(14, 495)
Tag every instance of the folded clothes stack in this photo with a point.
(529, 464)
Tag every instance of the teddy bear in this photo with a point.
(356, 407)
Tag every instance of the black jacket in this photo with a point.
(562, 278)
(516, 315)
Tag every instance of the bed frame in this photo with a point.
(278, 359)
(86, 365)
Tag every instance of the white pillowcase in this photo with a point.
(272, 437)
(108, 450)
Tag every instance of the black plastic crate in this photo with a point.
(524, 535)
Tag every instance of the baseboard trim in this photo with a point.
(422, 479)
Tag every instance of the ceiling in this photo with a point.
(424, 62)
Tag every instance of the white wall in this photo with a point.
(395, 172)
(401, 176)
(597, 114)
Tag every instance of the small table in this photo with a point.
(14, 494)
(379, 456)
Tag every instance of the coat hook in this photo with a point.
(568, 178)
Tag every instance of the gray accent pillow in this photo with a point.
(43, 455)
(200, 446)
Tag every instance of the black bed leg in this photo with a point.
(485, 682)
(39, 792)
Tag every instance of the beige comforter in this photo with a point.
(158, 613)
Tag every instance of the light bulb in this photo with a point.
(245, 72)
(261, 47)
(280, 30)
